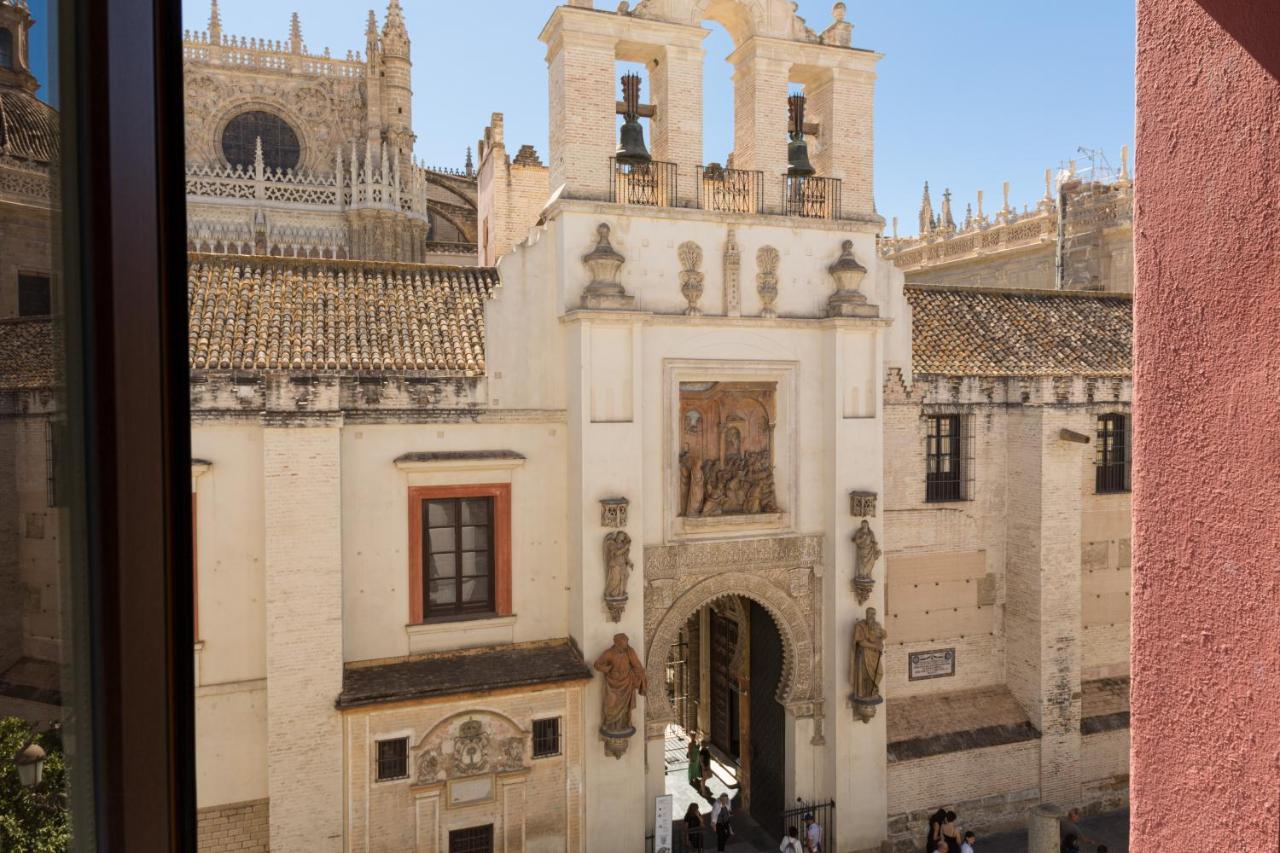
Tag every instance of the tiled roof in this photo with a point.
(27, 354)
(284, 314)
(28, 127)
(959, 331)
(469, 671)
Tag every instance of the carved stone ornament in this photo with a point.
(866, 551)
(862, 504)
(469, 744)
(624, 679)
(617, 569)
(732, 276)
(613, 512)
(691, 276)
(866, 667)
(848, 300)
(767, 279)
(726, 449)
(604, 264)
(471, 749)
(429, 766)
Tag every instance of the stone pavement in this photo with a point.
(1111, 829)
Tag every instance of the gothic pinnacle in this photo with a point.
(295, 33)
(926, 211)
(215, 22)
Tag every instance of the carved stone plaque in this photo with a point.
(862, 504)
(937, 663)
(726, 449)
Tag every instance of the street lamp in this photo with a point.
(30, 761)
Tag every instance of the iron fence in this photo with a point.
(651, 184)
(812, 197)
(824, 815)
(730, 190)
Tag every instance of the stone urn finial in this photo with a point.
(849, 300)
(604, 263)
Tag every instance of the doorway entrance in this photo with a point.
(722, 679)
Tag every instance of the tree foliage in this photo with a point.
(32, 820)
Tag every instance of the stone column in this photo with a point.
(675, 85)
(583, 98)
(1044, 829)
(1042, 603)
(303, 504)
(760, 115)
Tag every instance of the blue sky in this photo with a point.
(969, 95)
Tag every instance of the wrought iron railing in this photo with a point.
(824, 815)
(811, 197)
(730, 190)
(652, 184)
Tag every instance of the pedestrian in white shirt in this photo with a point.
(812, 834)
(791, 844)
(969, 840)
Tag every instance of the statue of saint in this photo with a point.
(865, 669)
(866, 550)
(617, 570)
(624, 677)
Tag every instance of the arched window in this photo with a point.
(280, 148)
(6, 48)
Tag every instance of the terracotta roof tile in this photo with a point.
(959, 331)
(275, 314)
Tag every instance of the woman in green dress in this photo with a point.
(695, 763)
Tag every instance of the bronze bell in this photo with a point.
(797, 149)
(631, 148)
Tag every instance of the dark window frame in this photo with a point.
(391, 768)
(471, 839)
(946, 461)
(1113, 458)
(547, 744)
(25, 281)
(8, 59)
(457, 507)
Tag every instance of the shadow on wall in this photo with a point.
(1253, 25)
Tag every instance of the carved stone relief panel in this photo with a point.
(469, 744)
(726, 448)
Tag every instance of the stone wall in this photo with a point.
(233, 828)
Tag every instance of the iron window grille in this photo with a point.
(1111, 462)
(651, 184)
(474, 839)
(393, 759)
(948, 459)
(546, 737)
(457, 556)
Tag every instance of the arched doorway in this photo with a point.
(724, 675)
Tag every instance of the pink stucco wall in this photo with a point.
(1206, 502)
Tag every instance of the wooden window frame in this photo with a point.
(500, 493)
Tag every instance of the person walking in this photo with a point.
(935, 830)
(951, 833)
(695, 763)
(791, 844)
(812, 834)
(721, 813)
(693, 827)
(704, 756)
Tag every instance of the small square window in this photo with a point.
(474, 839)
(546, 737)
(34, 297)
(393, 759)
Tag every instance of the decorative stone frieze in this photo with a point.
(613, 512)
(604, 263)
(691, 277)
(767, 279)
(782, 574)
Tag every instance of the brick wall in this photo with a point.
(234, 828)
(989, 789)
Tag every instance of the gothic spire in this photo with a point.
(215, 23)
(926, 211)
(946, 220)
(295, 33)
(395, 36)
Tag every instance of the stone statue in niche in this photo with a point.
(726, 449)
(691, 277)
(767, 279)
(617, 570)
(866, 669)
(624, 678)
(866, 551)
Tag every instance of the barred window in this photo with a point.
(393, 759)
(546, 737)
(474, 839)
(945, 475)
(1111, 463)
